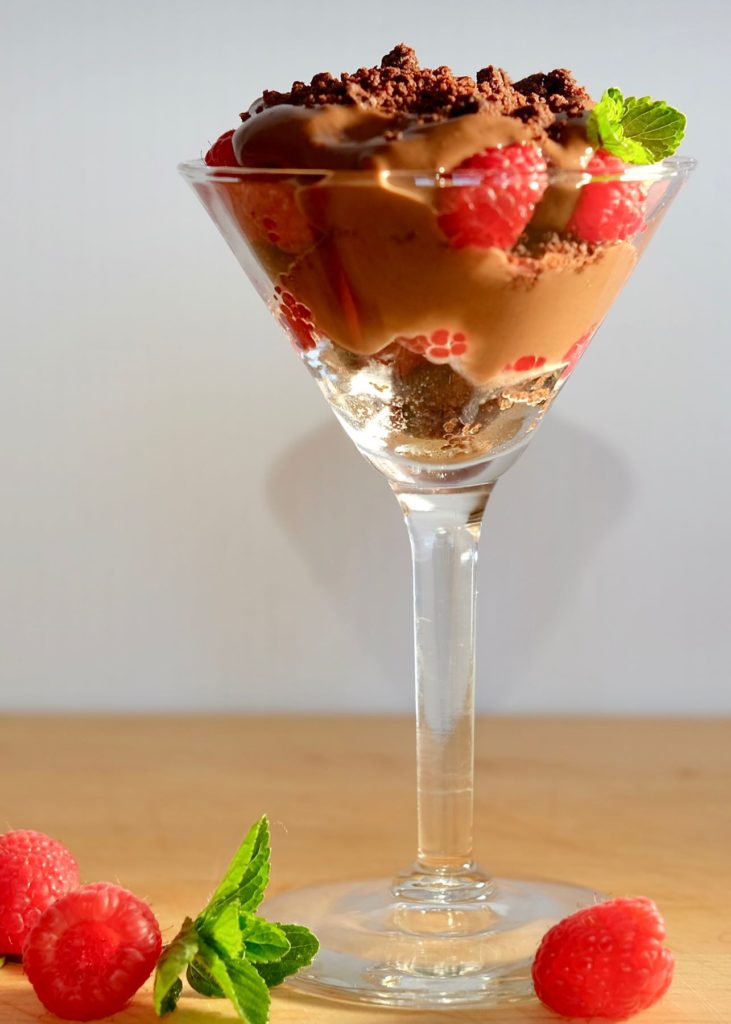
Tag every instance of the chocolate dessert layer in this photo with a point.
(406, 209)
(386, 272)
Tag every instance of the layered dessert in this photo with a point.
(439, 248)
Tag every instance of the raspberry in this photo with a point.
(605, 961)
(576, 351)
(221, 153)
(266, 208)
(608, 211)
(525, 363)
(495, 211)
(268, 212)
(91, 951)
(439, 346)
(34, 871)
(297, 319)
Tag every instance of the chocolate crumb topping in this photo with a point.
(401, 56)
(553, 251)
(558, 90)
(399, 85)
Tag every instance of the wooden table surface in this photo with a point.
(632, 807)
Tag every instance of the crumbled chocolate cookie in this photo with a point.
(399, 85)
(558, 90)
(552, 251)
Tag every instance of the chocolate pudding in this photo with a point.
(425, 244)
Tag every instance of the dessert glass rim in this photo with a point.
(672, 167)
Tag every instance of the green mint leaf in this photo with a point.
(2, 961)
(604, 117)
(604, 121)
(222, 930)
(230, 952)
(174, 959)
(170, 999)
(263, 942)
(655, 126)
(199, 978)
(248, 873)
(253, 885)
(302, 948)
(241, 984)
(638, 131)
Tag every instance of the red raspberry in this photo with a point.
(297, 319)
(576, 351)
(34, 871)
(266, 208)
(91, 951)
(221, 153)
(438, 347)
(495, 211)
(268, 212)
(605, 961)
(608, 211)
(525, 363)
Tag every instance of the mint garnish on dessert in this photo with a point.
(638, 131)
(228, 951)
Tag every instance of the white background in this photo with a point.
(182, 525)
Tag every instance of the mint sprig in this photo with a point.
(302, 947)
(229, 951)
(638, 131)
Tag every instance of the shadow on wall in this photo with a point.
(545, 520)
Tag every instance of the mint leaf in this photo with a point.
(248, 873)
(222, 930)
(655, 126)
(2, 961)
(170, 999)
(638, 131)
(199, 978)
(174, 959)
(302, 948)
(263, 942)
(228, 951)
(241, 984)
(603, 124)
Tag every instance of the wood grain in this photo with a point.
(158, 804)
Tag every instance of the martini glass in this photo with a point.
(439, 363)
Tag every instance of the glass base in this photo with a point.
(376, 947)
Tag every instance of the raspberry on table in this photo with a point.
(608, 211)
(221, 153)
(495, 210)
(35, 870)
(604, 962)
(91, 951)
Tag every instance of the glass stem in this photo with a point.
(444, 529)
